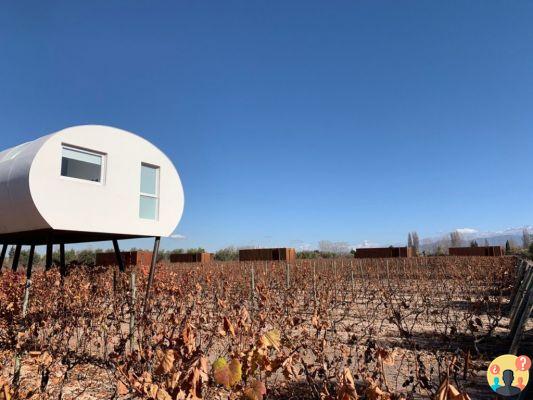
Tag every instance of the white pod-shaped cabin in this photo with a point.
(87, 183)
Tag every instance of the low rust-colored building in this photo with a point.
(191, 257)
(482, 251)
(277, 254)
(385, 252)
(131, 258)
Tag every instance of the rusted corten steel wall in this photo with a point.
(385, 252)
(277, 254)
(131, 258)
(483, 251)
(191, 257)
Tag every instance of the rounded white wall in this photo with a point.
(112, 206)
(18, 212)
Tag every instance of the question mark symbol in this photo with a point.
(523, 363)
(495, 369)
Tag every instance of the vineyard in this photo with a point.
(321, 329)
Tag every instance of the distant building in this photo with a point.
(191, 257)
(482, 251)
(130, 258)
(277, 254)
(385, 252)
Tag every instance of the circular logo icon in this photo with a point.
(508, 375)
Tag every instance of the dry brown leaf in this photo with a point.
(387, 357)
(150, 390)
(347, 389)
(162, 394)
(255, 391)
(166, 361)
(374, 392)
(271, 339)
(122, 389)
(228, 326)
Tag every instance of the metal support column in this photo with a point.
(118, 255)
(3, 255)
(63, 265)
(49, 255)
(16, 258)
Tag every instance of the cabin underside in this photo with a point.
(51, 236)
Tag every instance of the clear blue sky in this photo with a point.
(292, 122)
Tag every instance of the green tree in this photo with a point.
(227, 254)
(416, 241)
(308, 254)
(455, 239)
(25, 258)
(507, 247)
(196, 250)
(87, 257)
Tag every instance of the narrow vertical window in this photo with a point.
(82, 164)
(149, 203)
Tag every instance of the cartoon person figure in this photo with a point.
(520, 385)
(508, 390)
(496, 383)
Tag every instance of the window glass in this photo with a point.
(149, 200)
(148, 207)
(149, 180)
(81, 165)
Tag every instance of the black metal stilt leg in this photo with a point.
(16, 258)
(118, 255)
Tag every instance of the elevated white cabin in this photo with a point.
(87, 183)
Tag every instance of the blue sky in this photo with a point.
(292, 122)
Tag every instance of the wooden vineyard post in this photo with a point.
(526, 283)
(114, 281)
(151, 275)
(133, 301)
(288, 276)
(353, 281)
(25, 302)
(314, 284)
(287, 286)
(521, 324)
(252, 287)
(335, 281)
(28, 282)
